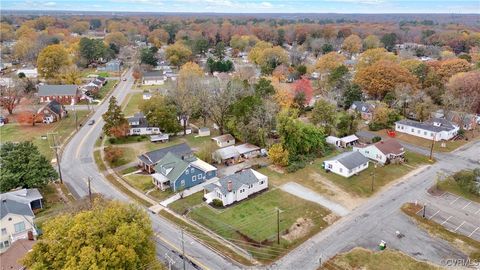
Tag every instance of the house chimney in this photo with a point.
(229, 186)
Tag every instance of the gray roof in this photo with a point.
(361, 106)
(445, 125)
(246, 177)
(140, 118)
(23, 195)
(8, 206)
(55, 107)
(171, 166)
(152, 75)
(153, 157)
(227, 152)
(351, 159)
(57, 90)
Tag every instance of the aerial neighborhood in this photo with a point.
(139, 138)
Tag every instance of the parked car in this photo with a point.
(91, 122)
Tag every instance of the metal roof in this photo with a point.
(443, 124)
(351, 159)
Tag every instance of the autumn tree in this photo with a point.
(113, 154)
(177, 54)
(304, 87)
(51, 60)
(117, 38)
(278, 155)
(270, 58)
(11, 94)
(69, 75)
(382, 77)
(371, 42)
(158, 37)
(463, 92)
(323, 114)
(328, 62)
(352, 44)
(161, 113)
(113, 117)
(79, 27)
(383, 117)
(371, 56)
(109, 235)
(450, 67)
(23, 166)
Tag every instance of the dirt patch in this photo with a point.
(276, 169)
(331, 218)
(337, 194)
(435, 191)
(299, 229)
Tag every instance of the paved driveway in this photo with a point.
(455, 213)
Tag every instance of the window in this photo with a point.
(367, 152)
(425, 133)
(19, 227)
(6, 244)
(431, 134)
(261, 182)
(330, 166)
(1, 245)
(186, 172)
(199, 176)
(194, 178)
(341, 170)
(182, 183)
(413, 130)
(191, 170)
(4, 231)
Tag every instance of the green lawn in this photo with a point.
(18, 132)
(140, 181)
(450, 185)
(161, 195)
(252, 223)
(98, 160)
(129, 170)
(449, 145)
(131, 103)
(52, 202)
(359, 258)
(128, 156)
(359, 185)
(103, 92)
(183, 205)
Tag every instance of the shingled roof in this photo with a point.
(57, 90)
(351, 159)
(390, 146)
(153, 157)
(442, 124)
(246, 177)
(8, 206)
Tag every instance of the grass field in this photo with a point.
(450, 185)
(464, 243)
(359, 185)
(359, 258)
(129, 155)
(131, 103)
(103, 92)
(449, 145)
(19, 132)
(252, 223)
(140, 181)
(98, 160)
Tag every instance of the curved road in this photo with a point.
(78, 164)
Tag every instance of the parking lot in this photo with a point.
(456, 214)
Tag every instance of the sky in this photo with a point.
(251, 6)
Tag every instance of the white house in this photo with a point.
(236, 187)
(16, 221)
(29, 72)
(382, 151)
(344, 142)
(203, 132)
(139, 125)
(224, 140)
(346, 164)
(436, 129)
(153, 78)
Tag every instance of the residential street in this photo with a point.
(78, 164)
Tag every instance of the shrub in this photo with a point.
(376, 139)
(113, 154)
(217, 203)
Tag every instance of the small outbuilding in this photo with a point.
(224, 140)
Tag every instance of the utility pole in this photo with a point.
(183, 251)
(431, 148)
(278, 226)
(55, 147)
(89, 189)
(76, 118)
(424, 209)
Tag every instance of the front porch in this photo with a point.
(160, 181)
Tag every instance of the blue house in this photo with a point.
(177, 173)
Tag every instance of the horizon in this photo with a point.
(368, 7)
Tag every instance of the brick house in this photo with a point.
(64, 94)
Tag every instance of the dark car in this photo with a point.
(91, 122)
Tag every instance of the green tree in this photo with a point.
(389, 41)
(347, 125)
(22, 165)
(326, 48)
(113, 117)
(219, 50)
(51, 60)
(161, 114)
(147, 56)
(323, 114)
(264, 88)
(110, 235)
(91, 49)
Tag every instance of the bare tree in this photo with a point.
(11, 94)
(221, 99)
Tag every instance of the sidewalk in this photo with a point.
(187, 192)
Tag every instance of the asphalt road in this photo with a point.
(78, 164)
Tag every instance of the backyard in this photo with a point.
(252, 224)
(16, 132)
(314, 176)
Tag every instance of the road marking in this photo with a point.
(473, 232)
(434, 214)
(467, 205)
(79, 146)
(477, 211)
(446, 220)
(459, 226)
(455, 200)
(179, 251)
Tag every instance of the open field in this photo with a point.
(313, 176)
(449, 145)
(252, 224)
(103, 92)
(464, 243)
(140, 181)
(131, 103)
(359, 258)
(19, 132)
